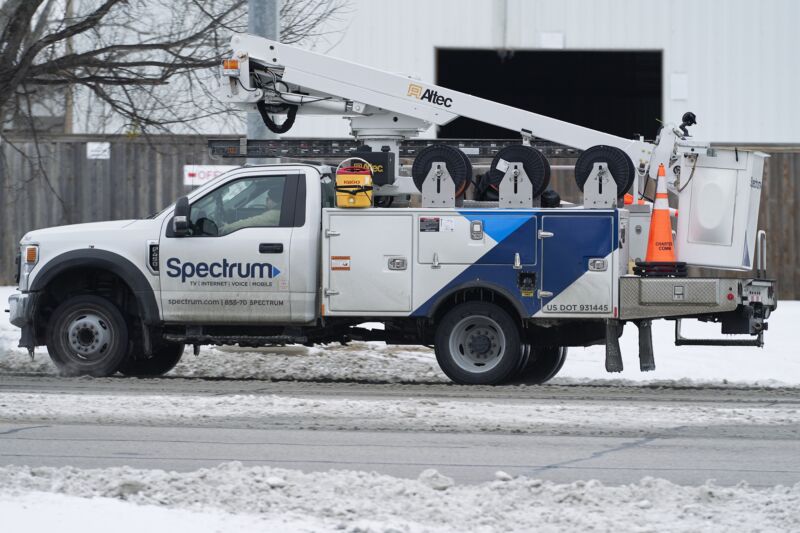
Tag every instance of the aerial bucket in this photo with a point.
(719, 194)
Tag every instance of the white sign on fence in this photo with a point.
(195, 175)
(95, 150)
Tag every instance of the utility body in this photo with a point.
(263, 255)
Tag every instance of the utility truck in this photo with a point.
(500, 286)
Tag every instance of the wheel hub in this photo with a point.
(89, 335)
(480, 343)
(477, 343)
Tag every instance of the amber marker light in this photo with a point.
(31, 254)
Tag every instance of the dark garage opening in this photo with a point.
(616, 92)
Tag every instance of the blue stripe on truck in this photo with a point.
(516, 232)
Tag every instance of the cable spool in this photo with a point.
(619, 164)
(533, 161)
(458, 165)
(468, 163)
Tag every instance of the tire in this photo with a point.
(164, 358)
(478, 343)
(545, 362)
(88, 336)
(525, 357)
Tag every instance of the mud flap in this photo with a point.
(613, 352)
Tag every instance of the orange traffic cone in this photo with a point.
(660, 258)
(660, 248)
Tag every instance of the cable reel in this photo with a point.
(458, 165)
(619, 164)
(533, 161)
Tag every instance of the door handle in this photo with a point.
(270, 248)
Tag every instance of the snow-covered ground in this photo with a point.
(232, 497)
(396, 414)
(778, 363)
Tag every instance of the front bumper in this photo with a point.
(21, 307)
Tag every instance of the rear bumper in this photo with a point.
(643, 298)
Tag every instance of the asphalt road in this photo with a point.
(762, 455)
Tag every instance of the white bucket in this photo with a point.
(719, 196)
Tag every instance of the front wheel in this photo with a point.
(478, 343)
(87, 336)
(163, 359)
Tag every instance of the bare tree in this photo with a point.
(139, 65)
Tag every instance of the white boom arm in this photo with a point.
(385, 105)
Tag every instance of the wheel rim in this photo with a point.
(89, 335)
(477, 344)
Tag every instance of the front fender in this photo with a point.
(110, 261)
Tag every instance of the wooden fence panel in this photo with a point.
(54, 183)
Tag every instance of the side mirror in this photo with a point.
(180, 218)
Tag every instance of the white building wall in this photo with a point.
(740, 59)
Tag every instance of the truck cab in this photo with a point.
(101, 295)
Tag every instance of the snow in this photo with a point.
(232, 497)
(397, 413)
(777, 364)
(46, 512)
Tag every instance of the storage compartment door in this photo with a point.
(577, 264)
(370, 263)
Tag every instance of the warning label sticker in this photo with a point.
(428, 224)
(340, 262)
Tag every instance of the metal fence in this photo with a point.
(53, 182)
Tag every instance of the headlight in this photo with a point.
(28, 258)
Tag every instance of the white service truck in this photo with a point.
(262, 255)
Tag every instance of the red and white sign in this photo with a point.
(196, 175)
(340, 262)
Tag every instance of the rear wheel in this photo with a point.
(542, 366)
(164, 358)
(87, 336)
(478, 343)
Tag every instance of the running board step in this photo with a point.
(195, 335)
(680, 340)
(250, 341)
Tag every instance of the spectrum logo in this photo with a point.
(222, 269)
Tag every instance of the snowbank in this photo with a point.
(45, 512)
(775, 365)
(236, 498)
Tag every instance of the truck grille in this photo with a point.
(17, 262)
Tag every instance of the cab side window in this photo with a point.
(245, 203)
(328, 192)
